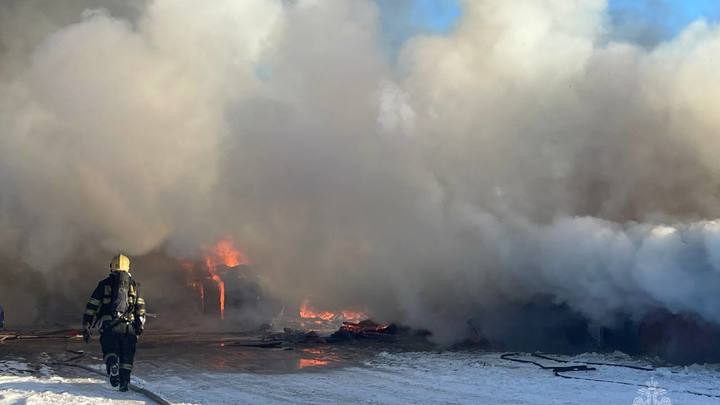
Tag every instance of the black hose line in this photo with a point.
(133, 387)
(542, 356)
(557, 370)
(507, 356)
(79, 354)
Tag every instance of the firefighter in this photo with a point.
(117, 305)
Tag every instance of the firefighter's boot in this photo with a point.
(113, 370)
(124, 380)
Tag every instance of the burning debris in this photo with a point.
(362, 331)
(223, 253)
(366, 329)
(306, 312)
(224, 282)
(309, 313)
(355, 325)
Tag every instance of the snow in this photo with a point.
(33, 390)
(387, 378)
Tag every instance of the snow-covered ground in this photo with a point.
(415, 378)
(21, 384)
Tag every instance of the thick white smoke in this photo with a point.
(526, 156)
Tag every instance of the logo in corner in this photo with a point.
(652, 394)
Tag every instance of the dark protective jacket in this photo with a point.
(98, 306)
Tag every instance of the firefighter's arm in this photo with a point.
(93, 306)
(139, 313)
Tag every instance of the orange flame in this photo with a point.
(225, 253)
(212, 269)
(308, 312)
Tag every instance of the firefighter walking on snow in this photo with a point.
(117, 305)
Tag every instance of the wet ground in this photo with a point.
(197, 368)
(173, 352)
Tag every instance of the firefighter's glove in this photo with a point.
(87, 335)
(139, 325)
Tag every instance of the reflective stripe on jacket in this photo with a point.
(98, 306)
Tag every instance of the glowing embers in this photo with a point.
(365, 329)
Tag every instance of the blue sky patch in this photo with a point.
(646, 22)
(402, 19)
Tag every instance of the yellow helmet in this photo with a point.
(120, 263)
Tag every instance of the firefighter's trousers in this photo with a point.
(118, 340)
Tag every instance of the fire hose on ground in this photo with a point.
(78, 355)
(558, 370)
(133, 387)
